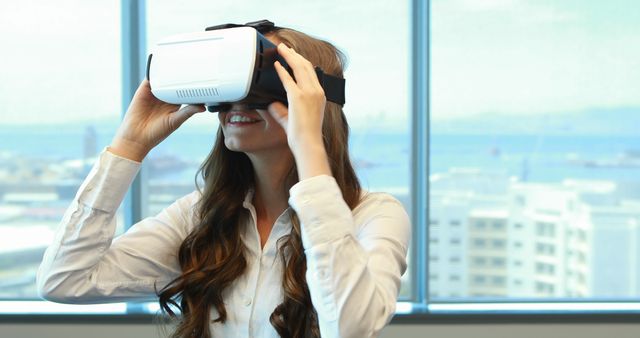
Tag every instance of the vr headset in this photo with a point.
(225, 64)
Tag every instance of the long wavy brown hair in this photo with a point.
(212, 256)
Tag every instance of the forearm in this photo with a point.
(311, 160)
(85, 231)
(354, 260)
(354, 298)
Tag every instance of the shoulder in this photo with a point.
(184, 210)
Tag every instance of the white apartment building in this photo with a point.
(494, 237)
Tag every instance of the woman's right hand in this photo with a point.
(147, 122)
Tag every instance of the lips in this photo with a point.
(236, 117)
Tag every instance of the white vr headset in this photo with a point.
(223, 65)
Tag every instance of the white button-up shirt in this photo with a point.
(354, 257)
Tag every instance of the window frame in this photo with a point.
(423, 311)
(417, 310)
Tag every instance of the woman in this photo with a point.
(234, 258)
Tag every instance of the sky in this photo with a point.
(533, 56)
(61, 62)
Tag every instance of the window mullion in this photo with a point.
(133, 69)
(420, 154)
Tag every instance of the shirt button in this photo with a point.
(247, 302)
(322, 274)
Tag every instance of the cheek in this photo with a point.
(273, 127)
(274, 136)
(278, 135)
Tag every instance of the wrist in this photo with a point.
(312, 160)
(127, 149)
(305, 143)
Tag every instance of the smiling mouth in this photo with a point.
(241, 118)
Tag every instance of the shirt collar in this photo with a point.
(248, 201)
(248, 198)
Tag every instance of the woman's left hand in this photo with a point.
(302, 121)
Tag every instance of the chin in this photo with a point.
(236, 146)
(257, 146)
(243, 146)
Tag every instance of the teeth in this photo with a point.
(238, 118)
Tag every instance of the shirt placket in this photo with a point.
(255, 286)
(248, 293)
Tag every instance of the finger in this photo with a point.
(287, 81)
(186, 112)
(144, 94)
(300, 66)
(143, 89)
(279, 112)
(306, 66)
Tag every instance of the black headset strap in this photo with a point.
(262, 26)
(333, 86)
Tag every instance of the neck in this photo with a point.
(271, 190)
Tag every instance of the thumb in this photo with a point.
(186, 112)
(279, 112)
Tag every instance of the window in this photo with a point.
(498, 261)
(479, 243)
(479, 224)
(532, 114)
(379, 137)
(58, 112)
(544, 229)
(477, 279)
(479, 261)
(498, 243)
(498, 280)
(498, 225)
(533, 122)
(69, 29)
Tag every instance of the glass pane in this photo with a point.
(58, 112)
(535, 150)
(380, 142)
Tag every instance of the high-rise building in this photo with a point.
(494, 237)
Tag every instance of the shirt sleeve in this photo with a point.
(353, 270)
(85, 264)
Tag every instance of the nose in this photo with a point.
(237, 106)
